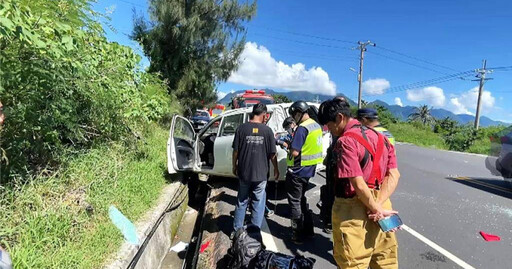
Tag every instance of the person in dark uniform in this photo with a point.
(304, 153)
(369, 117)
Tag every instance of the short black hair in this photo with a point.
(330, 108)
(259, 109)
(288, 122)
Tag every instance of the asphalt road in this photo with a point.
(445, 198)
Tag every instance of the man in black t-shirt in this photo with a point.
(254, 145)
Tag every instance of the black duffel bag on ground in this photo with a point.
(247, 243)
(270, 260)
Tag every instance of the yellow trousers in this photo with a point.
(358, 241)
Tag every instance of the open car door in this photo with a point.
(182, 153)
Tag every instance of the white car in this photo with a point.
(210, 150)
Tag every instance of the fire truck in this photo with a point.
(250, 98)
(216, 110)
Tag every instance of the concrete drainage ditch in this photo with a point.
(157, 231)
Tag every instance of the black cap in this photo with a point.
(368, 113)
(259, 109)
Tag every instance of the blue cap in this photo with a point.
(368, 113)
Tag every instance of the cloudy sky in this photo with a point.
(297, 45)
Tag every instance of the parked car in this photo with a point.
(200, 119)
(501, 163)
(210, 150)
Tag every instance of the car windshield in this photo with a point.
(202, 114)
(217, 111)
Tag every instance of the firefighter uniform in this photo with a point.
(359, 241)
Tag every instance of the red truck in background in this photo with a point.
(250, 98)
(216, 110)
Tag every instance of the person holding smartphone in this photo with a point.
(366, 176)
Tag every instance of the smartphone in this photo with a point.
(389, 223)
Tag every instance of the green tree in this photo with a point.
(445, 125)
(194, 44)
(423, 115)
(281, 98)
(385, 116)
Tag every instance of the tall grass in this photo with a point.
(416, 134)
(62, 221)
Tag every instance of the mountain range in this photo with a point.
(401, 112)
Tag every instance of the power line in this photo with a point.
(322, 57)
(301, 53)
(302, 42)
(350, 42)
(429, 82)
(306, 35)
(131, 3)
(409, 63)
(416, 58)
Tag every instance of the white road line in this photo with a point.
(435, 246)
(268, 239)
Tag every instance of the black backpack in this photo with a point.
(271, 260)
(247, 242)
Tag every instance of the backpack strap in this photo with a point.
(362, 139)
(363, 161)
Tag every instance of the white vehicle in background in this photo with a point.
(210, 150)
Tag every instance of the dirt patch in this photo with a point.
(215, 234)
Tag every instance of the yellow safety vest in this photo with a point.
(311, 152)
(385, 132)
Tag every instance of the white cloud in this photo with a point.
(431, 95)
(375, 86)
(458, 108)
(259, 69)
(221, 95)
(398, 101)
(465, 103)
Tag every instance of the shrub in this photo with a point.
(65, 87)
(460, 138)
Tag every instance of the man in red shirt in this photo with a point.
(362, 191)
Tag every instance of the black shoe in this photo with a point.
(297, 231)
(308, 225)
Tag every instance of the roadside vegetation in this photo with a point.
(61, 220)
(424, 130)
(86, 126)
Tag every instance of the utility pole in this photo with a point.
(481, 75)
(362, 48)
